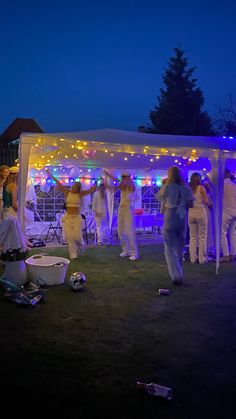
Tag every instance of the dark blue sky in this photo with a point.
(77, 65)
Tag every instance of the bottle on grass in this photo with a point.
(156, 390)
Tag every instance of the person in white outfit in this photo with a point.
(72, 220)
(228, 219)
(176, 198)
(126, 228)
(100, 210)
(198, 221)
(4, 173)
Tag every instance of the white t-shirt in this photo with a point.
(229, 198)
(99, 204)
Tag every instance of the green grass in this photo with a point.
(80, 354)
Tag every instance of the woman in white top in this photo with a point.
(198, 221)
(72, 220)
(175, 198)
(4, 173)
(100, 210)
(126, 228)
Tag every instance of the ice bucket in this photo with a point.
(48, 270)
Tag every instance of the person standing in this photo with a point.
(210, 217)
(10, 205)
(177, 198)
(4, 173)
(198, 221)
(126, 228)
(228, 219)
(100, 210)
(72, 220)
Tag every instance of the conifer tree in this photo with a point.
(179, 109)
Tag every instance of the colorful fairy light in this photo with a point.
(64, 178)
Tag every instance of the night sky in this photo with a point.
(78, 65)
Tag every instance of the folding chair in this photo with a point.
(54, 231)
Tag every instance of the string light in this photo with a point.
(68, 180)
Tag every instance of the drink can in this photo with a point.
(35, 299)
(164, 291)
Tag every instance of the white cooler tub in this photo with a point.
(48, 270)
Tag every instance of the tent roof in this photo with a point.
(115, 136)
(120, 149)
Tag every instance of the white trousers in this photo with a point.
(127, 232)
(102, 227)
(228, 232)
(72, 230)
(198, 224)
(174, 241)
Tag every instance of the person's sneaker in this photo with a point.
(133, 258)
(100, 244)
(225, 259)
(124, 255)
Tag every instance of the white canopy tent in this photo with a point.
(119, 150)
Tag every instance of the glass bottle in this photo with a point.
(156, 389)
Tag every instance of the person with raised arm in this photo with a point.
(126, 228)
(72, 220)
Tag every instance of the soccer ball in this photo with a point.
(77, 281)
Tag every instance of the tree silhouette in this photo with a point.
(225, 123)
(179, 108)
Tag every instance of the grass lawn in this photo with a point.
(79, 355)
